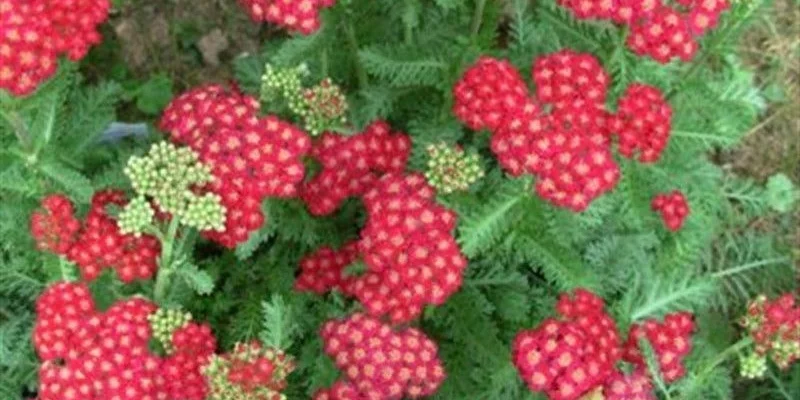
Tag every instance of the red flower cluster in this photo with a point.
(352, 164)
(75, 23)
(643, 122)
(98, 244)
(324, 270)
(488, 92)
(379, 363)
(673, 208)
(568, 358)
(636, 386)
(411, 256)
(251, 157)
(774, 326)
(55, 227)
(671, 341)
(295, 15)
(657, 29)
(193, 345)
(34, 32)
(567, 79)
(89, 354)
(252, 372)
(568, 148)
(574, 355)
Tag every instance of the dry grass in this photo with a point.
(773, 49)
(773, 146)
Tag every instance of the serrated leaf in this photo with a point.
(200, 281)
(279, 324)
(72, 181)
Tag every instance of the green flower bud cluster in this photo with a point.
(218, 370)
(167, 174)
(165, 322)
(286, 83)
(135, 217)
(753, 366)
(450, 169)
(322, 107)
(326, 107)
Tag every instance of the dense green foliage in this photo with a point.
(398, 60)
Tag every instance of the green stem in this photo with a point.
(324, 62)
(165, 269)
(352, 40)
(477, 18)
(779, 386)
(746, 267)
(734, 349)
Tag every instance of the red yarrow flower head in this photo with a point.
(88, 354)
(200, 113)
(101, 245)
(28, 55)
(97, 244)
(75, 23)
(487, 92)
(408, 249)
(636, 386)
(251, 157)
(193, 346)
(352, 164)
(620, 11)
(568, 147)
(294, 15)
(379, 362)
(34, 32)
(643, 123)
(569, 79)
(657, 29)
(567, 358)
(671, 341)
(55, 227)
(673, 207)
(324, 270)
(552, 359)
(340, 390)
